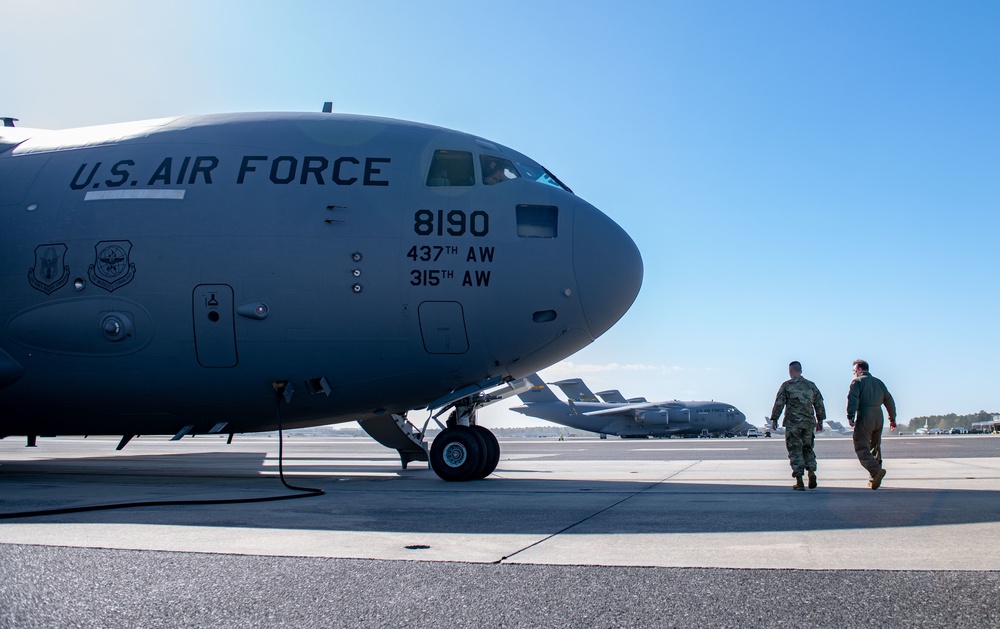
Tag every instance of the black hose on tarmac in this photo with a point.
(307, 492)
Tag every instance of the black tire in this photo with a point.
(492, 451)
(458, 454)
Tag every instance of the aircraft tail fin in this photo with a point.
(539, 391)
(613, 396)
(575, 389)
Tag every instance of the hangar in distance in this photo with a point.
(229, 273)
(629, 419)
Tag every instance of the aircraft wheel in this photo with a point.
(458, 454)
(492, 451)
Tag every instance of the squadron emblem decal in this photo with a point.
(112, 269)
(50, 272)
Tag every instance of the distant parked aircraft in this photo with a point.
(629, 419)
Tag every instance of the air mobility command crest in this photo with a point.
(112, 268)
(50, 272)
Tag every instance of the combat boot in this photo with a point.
(798, 486)
(876, 480)
(812, 479)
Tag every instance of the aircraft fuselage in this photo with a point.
(170, 273)
(678, 418)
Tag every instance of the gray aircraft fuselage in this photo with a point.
(173, 272)
(625, 419)
(665, 419)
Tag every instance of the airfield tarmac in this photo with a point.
(584, 532)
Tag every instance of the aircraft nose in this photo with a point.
(608, 268)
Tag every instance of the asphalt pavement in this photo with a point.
(615, 533)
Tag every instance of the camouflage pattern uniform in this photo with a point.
(800, 398)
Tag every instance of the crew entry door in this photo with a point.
(442, 325)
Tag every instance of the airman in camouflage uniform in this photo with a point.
(804, 415)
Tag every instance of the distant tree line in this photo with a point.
(951, 420)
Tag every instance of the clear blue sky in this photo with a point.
(806, 180)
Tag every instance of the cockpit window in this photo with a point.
(497, 169)
(455, 168)
(539, 174)
(451, 168)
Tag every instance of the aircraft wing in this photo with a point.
(625, 408)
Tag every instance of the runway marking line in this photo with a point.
(686, 449)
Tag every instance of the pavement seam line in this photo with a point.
(595, 514)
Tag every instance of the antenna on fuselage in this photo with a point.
(327, 108)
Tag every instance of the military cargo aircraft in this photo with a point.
(627, 419)
(239, 272)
